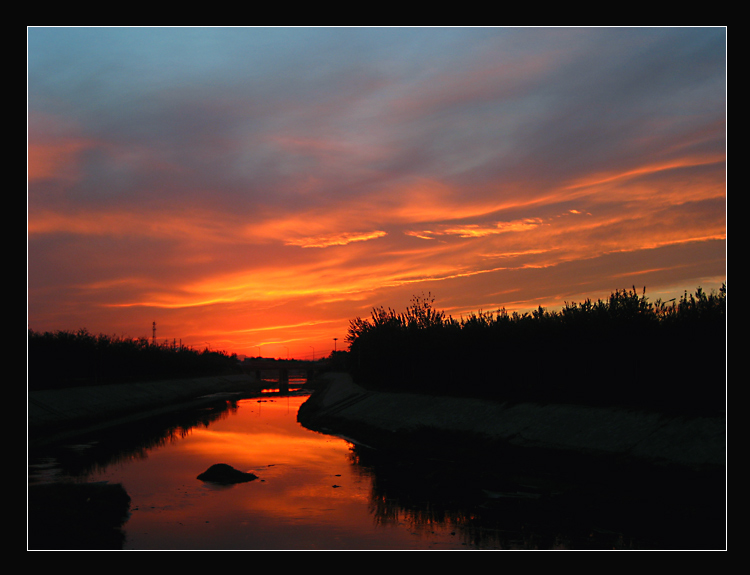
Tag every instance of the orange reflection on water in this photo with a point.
(308, 494)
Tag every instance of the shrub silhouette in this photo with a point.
(625, 351)
(71, 358)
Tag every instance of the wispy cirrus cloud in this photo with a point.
(477, 230)
(335, 240)
(279, 181)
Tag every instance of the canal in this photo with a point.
(321, 492)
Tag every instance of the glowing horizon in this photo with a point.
(255, 189)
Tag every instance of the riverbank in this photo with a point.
(662, 476)
(59, 413)
(341, 406)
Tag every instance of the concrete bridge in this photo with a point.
(282, 367)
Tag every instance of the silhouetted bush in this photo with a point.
(73, 358)
(622, 351)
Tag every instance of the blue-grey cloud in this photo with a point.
(197, 159)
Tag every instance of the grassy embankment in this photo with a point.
(624, 351)
(63, 359)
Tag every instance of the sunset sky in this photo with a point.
(254, 189)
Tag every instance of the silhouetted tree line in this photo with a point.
(73, 358)
(623, 351)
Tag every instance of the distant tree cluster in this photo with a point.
(73, 358)
(624, 351)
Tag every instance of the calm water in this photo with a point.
(314, 491)
(310, 493)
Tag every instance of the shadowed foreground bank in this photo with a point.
(340, 405)
(77, 516)
(637, 468)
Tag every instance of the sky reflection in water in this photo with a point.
(316, 491)
(308, 495)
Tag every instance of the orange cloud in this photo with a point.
(54, 159)
(648, 169)
(258, 276)
(190, 223)
(335, 240)
(479, 230)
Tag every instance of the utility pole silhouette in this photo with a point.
(153, 333)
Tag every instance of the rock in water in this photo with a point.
(223, 473)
